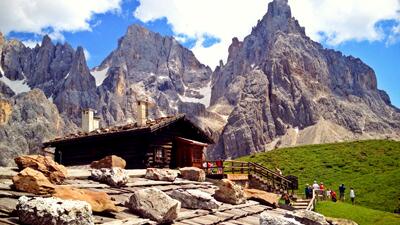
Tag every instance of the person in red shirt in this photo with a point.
(322, 190)
(333, 196)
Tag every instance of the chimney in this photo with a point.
(89, 123)
(142, 113)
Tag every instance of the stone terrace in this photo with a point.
(247, 213)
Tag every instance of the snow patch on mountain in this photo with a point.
(100, 75)
(17, 86)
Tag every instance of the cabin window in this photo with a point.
(159, 153)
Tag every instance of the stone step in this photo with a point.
(300, 203)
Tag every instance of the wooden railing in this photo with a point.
(250, 168)
(313, 201)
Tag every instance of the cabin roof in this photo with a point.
(150, 127)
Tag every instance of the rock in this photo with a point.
(194, 199)
(193, 174)
(267, 198)
(54, 171)
(229, 192)
(161, 174)
(309, 217)
(32, 181)
(99, 201)
(115, 176)
(154, 204)
(7, 205)
(109, 162)
(340, 221)
(268, 218)
(53, 211)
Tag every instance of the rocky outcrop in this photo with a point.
(267, 218)
(161, 174)
(278, 82)
(54, 171)
(33, 119)
(193, 174)
(154, 204)
(229, 192)
(194, 199)
(32, 181)
(309, 217)
(115, 177)
(99, 201)
(53, 211)
(109, 162)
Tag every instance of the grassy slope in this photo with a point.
(359, 214)
(372, 168)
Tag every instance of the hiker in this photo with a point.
(219, 164)
(328, 193)
(310, 191)
(321, 190)
(286, 198)
(307, 191)
(333, 196)
(352, 195)
(342, 188)
(315, 185)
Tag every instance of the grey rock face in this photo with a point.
(26, 120)
(194, 199)
(278, 79)
(115, 176)
(53, 211)
(146, 64)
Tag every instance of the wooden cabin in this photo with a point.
(165, 142)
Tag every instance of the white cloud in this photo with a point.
(37, 16)
(339, 20)
(86, 53)
(343, 20)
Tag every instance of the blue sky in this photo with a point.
(371, 33)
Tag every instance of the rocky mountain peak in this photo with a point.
(2, 40)
(46, 41)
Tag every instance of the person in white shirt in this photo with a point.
(352, 195)
(315, 185)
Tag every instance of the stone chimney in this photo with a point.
(89, 121)
(142, 112)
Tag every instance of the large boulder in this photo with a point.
(100, 201)
(310, 217)
(161, 174)
(268, 218)
(53, 211)
(154, 204)
(193, 174)
(54, 171)
(267, 198)
(194, 199)
(229, 192)
(32, 181)
(115, 176)
(109, 162)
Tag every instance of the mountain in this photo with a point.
(280, 88)
(148, 65)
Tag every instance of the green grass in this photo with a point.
(372, 168)
(359, 214)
